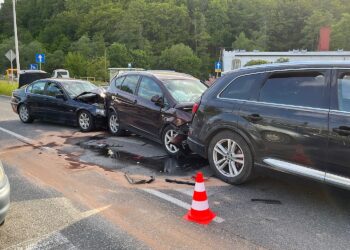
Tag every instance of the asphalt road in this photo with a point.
(69, 192)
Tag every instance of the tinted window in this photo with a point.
(149, 88)
(344, 92)
(76, 87)
(53, 89)
(298, 88)
(38, 88)
(118, 82)
(242, 87)
(130, 83)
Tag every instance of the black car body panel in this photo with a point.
(312, 133)
(61, 110)
(4, 195)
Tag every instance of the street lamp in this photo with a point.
(16, 37)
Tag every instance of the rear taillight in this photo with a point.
(195, 108)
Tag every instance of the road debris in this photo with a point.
(267, 201)
(180, 182)
(142, 181)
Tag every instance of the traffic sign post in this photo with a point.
(11, 56)
(40, 58)
(218, 68)
(33, 66)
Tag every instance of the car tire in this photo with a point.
(168, 134)
(230, 158)
(2, 223)
(85, 121)
(24, 114)
(114, 125)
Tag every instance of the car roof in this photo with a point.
(292, 65)
(161, 74)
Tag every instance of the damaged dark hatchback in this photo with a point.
(68, 101)
(154, 104)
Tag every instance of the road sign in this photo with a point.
(40, 58)
(218, 67)
(33, 66)
(10, 55)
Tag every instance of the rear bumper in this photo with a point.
(4, 200)
(197, 147)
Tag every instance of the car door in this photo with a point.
(289, 120)
(149, 113)
(127, 100)
(36, 99)
(339, 128)
(58, 107)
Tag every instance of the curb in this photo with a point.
(7, 96)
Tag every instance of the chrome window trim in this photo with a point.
(268, 103)
(339, 112)
(297, 169)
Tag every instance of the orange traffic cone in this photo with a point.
(200, 212)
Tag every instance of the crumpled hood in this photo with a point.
(101, 92)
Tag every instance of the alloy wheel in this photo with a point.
(114, 123)
(23, 113)
(168, 137)
(84, 120)
(228, 157)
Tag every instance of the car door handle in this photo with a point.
(254, 117)
(342, 130)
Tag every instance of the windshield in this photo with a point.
(75, 88)
(185, 90)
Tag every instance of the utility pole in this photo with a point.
(16, 37)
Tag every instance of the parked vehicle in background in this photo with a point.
(289, 117)
(68, 101)
(60, 73)
(4, 194)
(154, 104)
(29, 76)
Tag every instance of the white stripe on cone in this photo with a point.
(200, 205)
(199, 187)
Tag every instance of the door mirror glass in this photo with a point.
(158, 100)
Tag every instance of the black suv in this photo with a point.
(289, 117)
(154, 104)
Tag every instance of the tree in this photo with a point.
(340, 38)
(97, 67)
(244, 43)
(118, 55)
(181, 58)
(255, 62)
(76, 64)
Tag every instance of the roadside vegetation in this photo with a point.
(87, 37)
(6, 87)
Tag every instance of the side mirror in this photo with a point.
(158, 100)
(61, 96)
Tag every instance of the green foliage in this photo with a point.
(6, 87)
(282, 60)
(255, 62)
(142, 32)
(181, 58)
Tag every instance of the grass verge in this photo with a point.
(6, 87)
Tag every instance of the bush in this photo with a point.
(6, 88)
(255, 62)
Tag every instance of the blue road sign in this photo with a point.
(40, 58)
(218, 66)
(33, 66)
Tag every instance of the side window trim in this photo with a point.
(334, 102)
(328, 80)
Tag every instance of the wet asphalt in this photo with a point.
(274, 210)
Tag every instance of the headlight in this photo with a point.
(101, 112)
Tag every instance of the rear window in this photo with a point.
(185, 90)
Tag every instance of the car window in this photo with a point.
(242, 87)
(118, 82)
(53, 89)
(130, 83)
(149, 88)
(344, 91)
(307, 88)
(38, 88)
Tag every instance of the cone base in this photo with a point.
(206, 220)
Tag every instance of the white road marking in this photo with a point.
(175, 201)
(19, 137)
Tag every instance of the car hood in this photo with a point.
(101, 92)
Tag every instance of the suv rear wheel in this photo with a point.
(230, 157)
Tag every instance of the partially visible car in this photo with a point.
(291, 117)
(154, 104)
(68, 101)
(4, 194)
(29, 76)
(60, 73)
